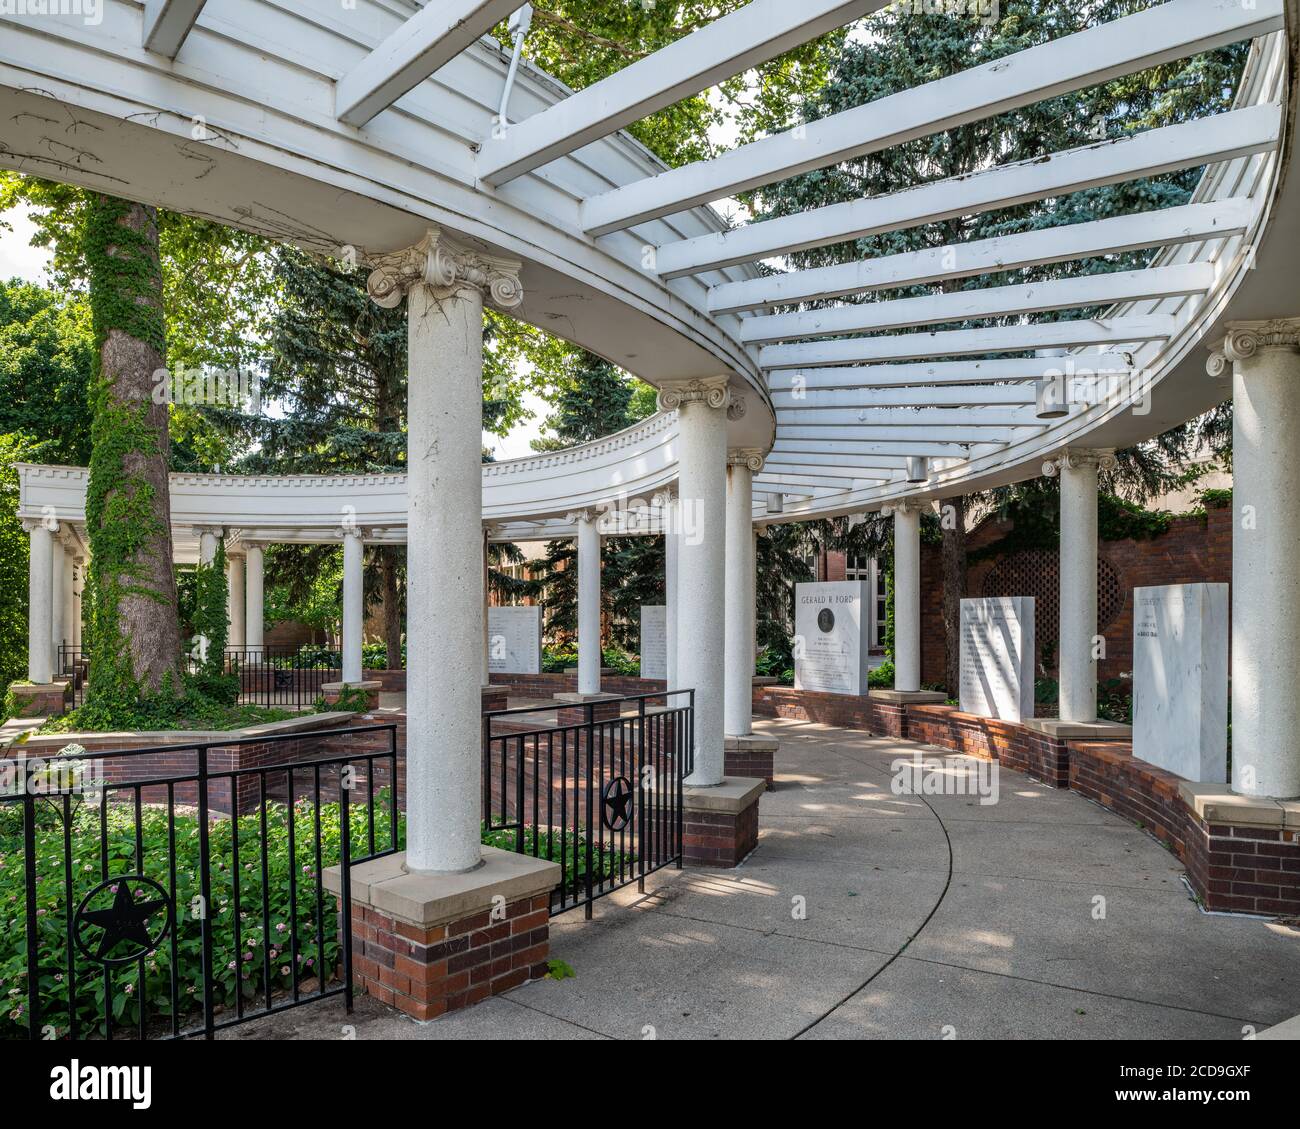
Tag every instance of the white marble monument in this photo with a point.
(1180, 679)
(997, 657)
(654, 641)
(515, 640)
(831, 625)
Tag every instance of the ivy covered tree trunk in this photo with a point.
(953, 524)
(392, 605)
(134, 630)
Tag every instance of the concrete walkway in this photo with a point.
(925, 917)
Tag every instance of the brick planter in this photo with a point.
(47, 700)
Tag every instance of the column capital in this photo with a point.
(446, 267)
(750, 457)
(492, 529)
(1078, 459)
(1245, 338)
(357, 531)
(32, 524)
(904, 507)
(711, 391)
(215, 530)
(577, 517)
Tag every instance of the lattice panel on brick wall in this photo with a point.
(1037, 573)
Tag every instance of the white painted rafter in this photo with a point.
(943, 372)
(426, 42)
(759, 31)
(957, 342)
(945, 396)
(831, 482)
(1161, 34)
(1235, 133)
(834, 464)
(986, 302)
(823, 442)
(899, 439)
(970, 419)
(167, 23)
(1184, 224)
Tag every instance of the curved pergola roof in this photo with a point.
(361, 132)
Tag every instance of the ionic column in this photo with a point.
(485, 675)
(354, 603)
(1265, 651)
(236, 608)
(589, 653)
(701, 580)
(209, 537)
(738, 700)
(40, 601)
(444, 283)
(69, 595)
(1076, 658)
(78, 601)
(907, 594)
(58, 577)
(254, 600)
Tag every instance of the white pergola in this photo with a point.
(379, 129)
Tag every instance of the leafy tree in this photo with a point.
(597, 400)
(46, 359)
(904, 48)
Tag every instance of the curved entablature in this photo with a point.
(362, 133)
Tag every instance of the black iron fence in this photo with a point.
(175, 891)
(287, 677)
(598, 789)
(73, 664)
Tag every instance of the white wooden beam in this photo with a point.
(942, 372)
(167, 23)
(830, 482)
(901, 440)
(1112, 332)
(970, 420)
(1254, 129)
(986, 302)
(854, 472)
(1161, 34)
(945, 396)
(435, 35)
(1184, 224)
(759, 31)
(823, 442)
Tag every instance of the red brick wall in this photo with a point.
(1196, 550)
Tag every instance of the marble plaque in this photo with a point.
(654, 641)
(1180, 679)
(831, 625)
(997, 657)
(515, 640)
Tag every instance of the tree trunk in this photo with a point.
(135, 641)
(392, 606)
(954, 587)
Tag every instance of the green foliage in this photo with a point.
(1216, 499)
(557, 969)
(211, 622)
(46, 361)
(351, 699)
(194, 709)
(882, 678)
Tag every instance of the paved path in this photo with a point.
(925, 916)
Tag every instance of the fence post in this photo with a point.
(205, 890)
(345, 879)
(590, 731)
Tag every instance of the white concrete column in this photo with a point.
(354, 603)
(1265, 651)
(701, 579)
(209, 536)
(78, 600)
(236, 607)
(590, 657)
(672, 542)
(738, 695)
(58, 577)
(69, 596)
(1076, 656)
(444, 283)
(907, 595)
(40, 601)
(255, 600)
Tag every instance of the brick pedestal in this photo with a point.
(428, 944)
(751, 756)
(494, 698)
(720, 824)
(333, 691)
(46, 700)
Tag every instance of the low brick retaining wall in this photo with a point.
(1238, 860)
(548, 685)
